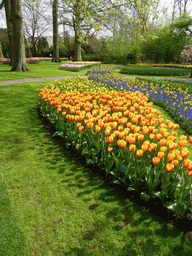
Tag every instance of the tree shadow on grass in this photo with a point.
(12, 240)
(148, 212)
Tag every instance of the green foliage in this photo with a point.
(164, 47)
(43, 46)
(92, 57)
(154, 71)
(5, 47)
(183, 23)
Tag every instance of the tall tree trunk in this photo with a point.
(7, 4)
(77, 48)
(1, 53)
(77, 29)
(55, 32)
(9, 29)
(18, 54)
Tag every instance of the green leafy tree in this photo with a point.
(87, 16)
(165, 46)
(43, 46)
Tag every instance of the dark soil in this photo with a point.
(153, 206)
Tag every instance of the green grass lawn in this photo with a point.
(51, 204)
(42, 69)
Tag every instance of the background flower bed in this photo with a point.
(154, 71)
(90, 131)
(102, 69)
(166, 65)
(76, 67)
(29, 60)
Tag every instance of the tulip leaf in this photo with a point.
(144, 197)
(122, 169)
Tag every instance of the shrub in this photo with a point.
(154, 71)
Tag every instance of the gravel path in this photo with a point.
(29, 80)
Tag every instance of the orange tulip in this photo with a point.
(121, 135)
(158, 137)
(130, 140)
(76, 118)
(183, 137)
(163, 149)
(111, 139)
(156, 160)
(132, 147)
(183, 143)
(145, 130)
(107, 132)
(166, 135)
(170, 157)
(151, 136)
(162, 142)
(140, 137)
(100, 123)
(160, 120)
(152, 147)
(114, 125)
(184, 152)
(160, 154)
(145, 147)
(71, 118)
(81, 128)
(169, 167)
(171, 145)
(139, 152)
(189, 173)
(171, 138)
(63, 113)
(81, 117)
(190, 139)
(186, 162)
(119, 143)
(119, 114)
(123, 144)
(175, 126)
(155, 131)
(120, 128)
(110, 149)
(173, 133)
(170, 125)
(175, 162)
(97, 128)
(180, 158)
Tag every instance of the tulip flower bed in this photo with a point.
(177, 100)
(122, 133)
(166, 65)
(75, 67)
(29, 60)
(154, 71)
(105, 69)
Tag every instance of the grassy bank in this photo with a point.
(52, 204)
(42, 69)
